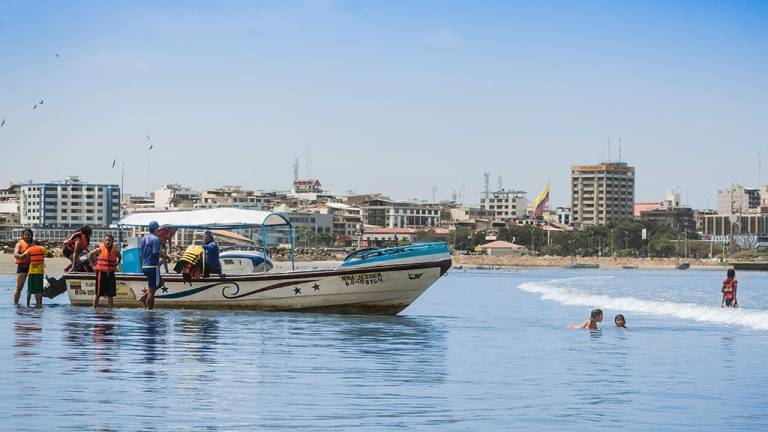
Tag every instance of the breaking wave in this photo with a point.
(753, 319)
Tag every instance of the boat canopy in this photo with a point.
(221, 218)
(224, 218)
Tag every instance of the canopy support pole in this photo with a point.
(293, 257)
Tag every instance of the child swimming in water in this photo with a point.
(595, 317)
(620, 321)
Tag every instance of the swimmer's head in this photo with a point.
(596, 315)
(731, 273)
(620, 321)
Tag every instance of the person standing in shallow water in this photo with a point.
(595, 317)
(729, 290)
(22, 262)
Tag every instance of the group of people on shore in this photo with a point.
(105, 260)
(728, 290)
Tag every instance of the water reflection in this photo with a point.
(199, 335)
(104, 341)
(28, 333)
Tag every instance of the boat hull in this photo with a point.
(380, 290)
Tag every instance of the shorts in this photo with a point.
(154, 281)
(209, 272)
(729, 301)
(22, 268)
(106, 285)
(35, 284)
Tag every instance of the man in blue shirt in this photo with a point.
(150, 264)
(212, 263)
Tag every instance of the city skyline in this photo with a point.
(427, 94)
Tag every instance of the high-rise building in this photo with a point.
(70, 203)
(602, 194)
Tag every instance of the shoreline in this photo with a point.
(603, 262)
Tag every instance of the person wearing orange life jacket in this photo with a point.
(22, 263)
(36, 255)
(729, 290)
(75, 245)
(106, 260)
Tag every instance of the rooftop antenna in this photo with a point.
(500, 188)
(619, 149)
(309, 164)
(453, 196)
(434, 192)
(609, 150)
(295, 169)
(759, 168)
(486, 176)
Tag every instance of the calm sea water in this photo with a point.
(479, 351)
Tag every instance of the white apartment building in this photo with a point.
(387, 213)
(506, 204)
(70, 203)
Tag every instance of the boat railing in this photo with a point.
(373, 252)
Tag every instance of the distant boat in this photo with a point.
(683, 266)
(583, 266)
(628, 267)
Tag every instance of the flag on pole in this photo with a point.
(540, 202)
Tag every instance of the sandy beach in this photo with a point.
(556, 261)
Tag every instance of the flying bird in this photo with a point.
(2, 123)
(150, 147)
(41, 102)
(57, 55)
(34, 107)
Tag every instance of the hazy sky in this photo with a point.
(391, 97)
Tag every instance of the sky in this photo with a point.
(394, 97)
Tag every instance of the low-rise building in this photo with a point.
(680, 219)
(232, 196)
(506, 204)
(563, 215)
(176, 197)
(381, 237)
(501, 248)
(738, 199)
(347, 220)
(9, 205)
(384, 212)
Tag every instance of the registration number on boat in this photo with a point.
(362, 279)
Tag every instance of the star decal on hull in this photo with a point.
(296, 291)
(316, 287)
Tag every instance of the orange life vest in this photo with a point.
(23, 246)
(69, 243)
(36, 254)
(107, 259)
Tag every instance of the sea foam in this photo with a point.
(753, 319)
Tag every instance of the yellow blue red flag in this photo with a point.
(540, 202)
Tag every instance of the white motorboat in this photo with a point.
(240, 260)
(381, 283)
